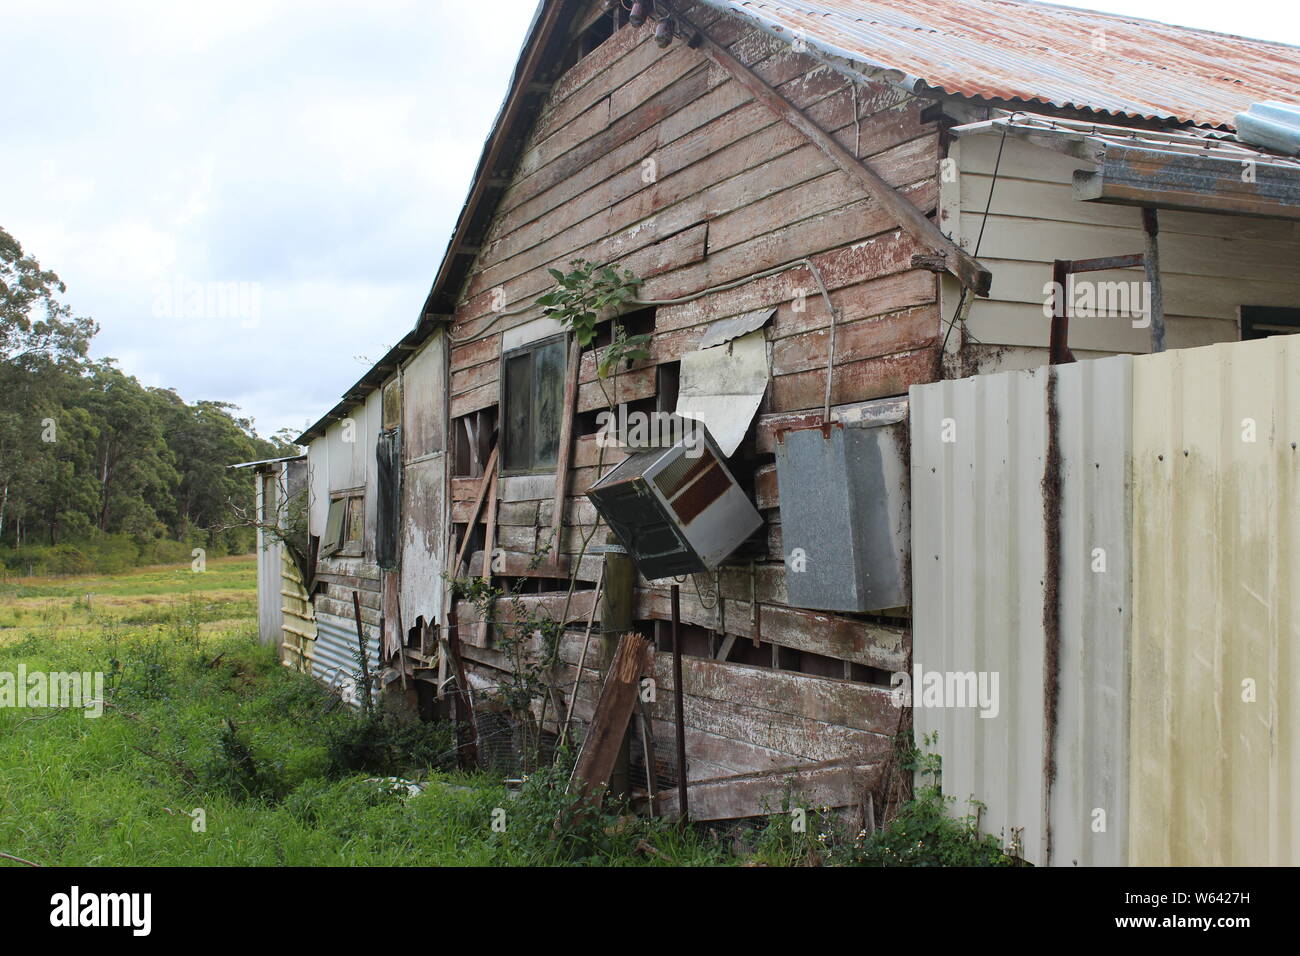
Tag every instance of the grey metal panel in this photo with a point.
(334, 656)
(844, 507)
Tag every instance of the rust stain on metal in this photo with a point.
(1035, 53)
(1052, 490)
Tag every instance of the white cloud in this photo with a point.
(319, 148)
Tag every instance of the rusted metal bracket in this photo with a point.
(963, 267)
(1059, 348)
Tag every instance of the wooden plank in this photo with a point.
(862, 223)
(761, 794)
(855, 341)
(468, 354)
(489, 542)
(857, 381)
(1146, 177)
(869, 263)
(520, 564)
(664, 255)
(489, 479)
(961, 265)
(632, 661)
(617, 389)
(881, 412)
(566, 446)
(750, 738)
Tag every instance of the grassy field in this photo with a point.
(199, 717)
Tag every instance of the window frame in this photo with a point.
(532, 348)
(339, 542)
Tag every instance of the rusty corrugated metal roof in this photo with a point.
(1038, 53)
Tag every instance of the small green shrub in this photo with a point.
(387, 744)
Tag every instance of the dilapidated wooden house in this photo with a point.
(824, 204)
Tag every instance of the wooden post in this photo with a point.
(679, 696)
(616, 614)
(1151, 226)
(611, 723)
(1058, 350)
(566, 450)
(489, 545)
(466, 737)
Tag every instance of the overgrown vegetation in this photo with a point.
(200, 717)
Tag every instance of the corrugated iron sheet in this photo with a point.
(981, 554)
(334, 654)
(977, 567)
(1036, 53)
(1177, 728)
(1216, 470)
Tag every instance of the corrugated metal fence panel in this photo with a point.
(978, 451)
(1093, 410)
(1217, 521)
(334, 657)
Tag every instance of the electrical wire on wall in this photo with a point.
(959, 313)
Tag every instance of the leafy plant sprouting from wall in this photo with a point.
(587, 294)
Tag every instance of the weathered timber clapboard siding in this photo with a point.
(1210, 264)
(739, 719)
(658, 162)
(873, 645)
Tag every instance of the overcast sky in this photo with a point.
(316, 152)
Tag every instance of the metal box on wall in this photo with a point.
(677, 510)
(844, 514)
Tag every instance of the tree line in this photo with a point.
(96, 470)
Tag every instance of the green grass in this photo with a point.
(199, 716)
(182, 660)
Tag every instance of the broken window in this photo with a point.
(392, 405)
(345, 527)
(532, 398)
(1259, 322)
(472, 438)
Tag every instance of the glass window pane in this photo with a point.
(517, 440)
(356, 521)
(548, 403)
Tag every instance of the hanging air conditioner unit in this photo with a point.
(676, 510)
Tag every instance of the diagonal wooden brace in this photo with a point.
(947, 254)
